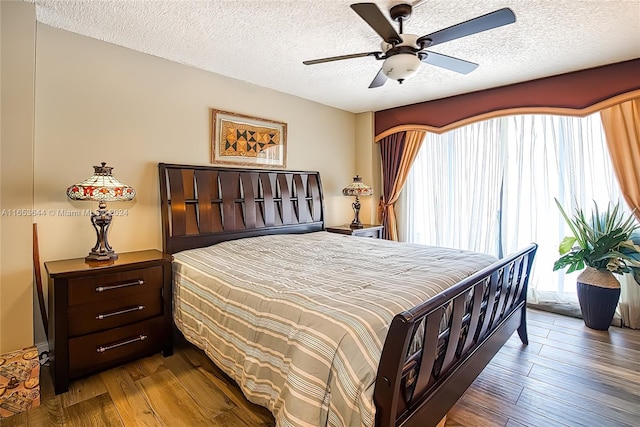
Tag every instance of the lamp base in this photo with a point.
(101, 220)
(356, 214)
(96, 256)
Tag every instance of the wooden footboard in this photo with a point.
(434, 351)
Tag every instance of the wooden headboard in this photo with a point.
(204, 205)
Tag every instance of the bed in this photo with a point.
(428, 342)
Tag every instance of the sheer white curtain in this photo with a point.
(452, 195)
(490, 187)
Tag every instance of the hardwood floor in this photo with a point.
(568, 375)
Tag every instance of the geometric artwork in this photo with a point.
(247, 141)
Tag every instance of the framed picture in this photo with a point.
(247, 141)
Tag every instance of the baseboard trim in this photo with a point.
(43, 351)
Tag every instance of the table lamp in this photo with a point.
(101, 187)
(357, 188)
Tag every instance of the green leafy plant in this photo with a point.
(605, 240)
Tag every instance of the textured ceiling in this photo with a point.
(264, 42)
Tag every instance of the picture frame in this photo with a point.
(242, 140)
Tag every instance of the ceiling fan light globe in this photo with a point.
(401, 66)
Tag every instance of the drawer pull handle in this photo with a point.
(122, 285)
(102, 349)
(115, 313)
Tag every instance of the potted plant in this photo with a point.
(601, 245)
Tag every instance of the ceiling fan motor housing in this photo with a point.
(409, 40)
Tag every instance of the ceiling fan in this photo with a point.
(404, 53)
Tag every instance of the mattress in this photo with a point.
(299, 320)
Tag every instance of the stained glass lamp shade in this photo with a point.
(101, 187)
(357, 188)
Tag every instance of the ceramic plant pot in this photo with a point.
(598, 294)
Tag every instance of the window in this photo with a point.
(490, 187)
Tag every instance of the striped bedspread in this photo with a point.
(299, 321)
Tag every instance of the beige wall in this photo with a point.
(16, 173)
(99, 102)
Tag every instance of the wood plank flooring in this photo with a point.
(568, 375)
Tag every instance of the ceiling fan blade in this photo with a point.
(338, 58)
(489, 21)
(376, 20)
(378, 80)
(450, 63)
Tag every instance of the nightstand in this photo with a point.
(367, 230)
(102, 314)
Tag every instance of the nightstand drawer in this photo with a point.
(116, 285)
(368, 232)
(111, 313)
(92, 352)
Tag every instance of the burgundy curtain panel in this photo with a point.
(391, 149)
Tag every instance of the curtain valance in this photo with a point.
(577, 94)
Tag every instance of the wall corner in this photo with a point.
(367, 165)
